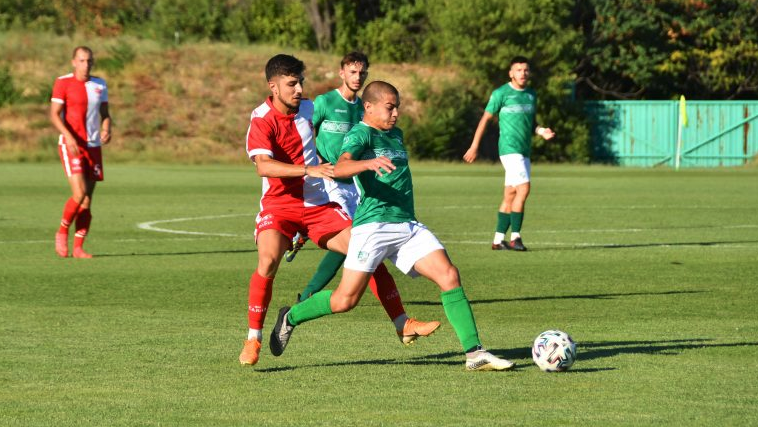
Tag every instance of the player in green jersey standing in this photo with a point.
(385, 227)
(515, 105)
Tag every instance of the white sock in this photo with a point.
(499, 237)
(255, 333)
(515, 235)
(399, 321)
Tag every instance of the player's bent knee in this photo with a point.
(449, 278)
(342, 304)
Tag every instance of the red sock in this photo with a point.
(83, 220)
(384, 289)
(70, 209)
(258, 300)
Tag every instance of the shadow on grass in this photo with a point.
(588, 296)
(637, 245)
(586, 351)
(602, 349)
(227, 251)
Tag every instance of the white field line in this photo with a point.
(150, 225)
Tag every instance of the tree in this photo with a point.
(483, 35)
(321, 16)
(660, 49)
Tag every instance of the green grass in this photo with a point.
(653, 272)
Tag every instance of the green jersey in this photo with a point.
(387, 198)
(333, 117)
(515, 110)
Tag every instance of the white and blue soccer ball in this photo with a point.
(554, 351)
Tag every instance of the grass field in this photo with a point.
(653, 272)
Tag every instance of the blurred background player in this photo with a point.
(280, 142)
(79, 111)
(515, 105)
(335, 113)
(385, 226)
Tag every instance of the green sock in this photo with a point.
(517, 218)
(314, 307)
(325, 272)
(458, 312)
(503, 222)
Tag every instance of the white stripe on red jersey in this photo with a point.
(81, 102)
(288, 139)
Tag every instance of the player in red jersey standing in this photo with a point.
(79, 111)
(280, 142)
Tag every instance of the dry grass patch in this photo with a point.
(189, 103)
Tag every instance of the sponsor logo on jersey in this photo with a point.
(386, 152)
(518, 109)
(336, 127)
(339, 110)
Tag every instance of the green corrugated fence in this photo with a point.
(644, 133)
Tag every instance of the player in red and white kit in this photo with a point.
(79, 111)
(280, 142)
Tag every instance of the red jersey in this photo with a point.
(287, 138)
(81, 106)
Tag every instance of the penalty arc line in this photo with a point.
(150, 225)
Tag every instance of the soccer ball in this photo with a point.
(554, 351)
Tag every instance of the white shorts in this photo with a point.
(403, 244)
(346, 194)
(518, 169)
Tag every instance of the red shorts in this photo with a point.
(89, 161)
(319, 223)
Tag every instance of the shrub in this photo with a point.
(118, 57)
(445, 128)
(8, 92)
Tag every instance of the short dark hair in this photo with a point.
(84, 48)
(284, 65)
(354, 57)
(519, 60)
(376, 89)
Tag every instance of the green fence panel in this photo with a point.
(645, 133)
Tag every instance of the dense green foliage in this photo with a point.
(579, 49)
(147, 333)
(8, 91)
(658, 49)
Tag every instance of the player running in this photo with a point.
(385, 226)
(79, 111)
(280, 142)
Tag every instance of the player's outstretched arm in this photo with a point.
(268, 167)
(323, 170)
(346, 167)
